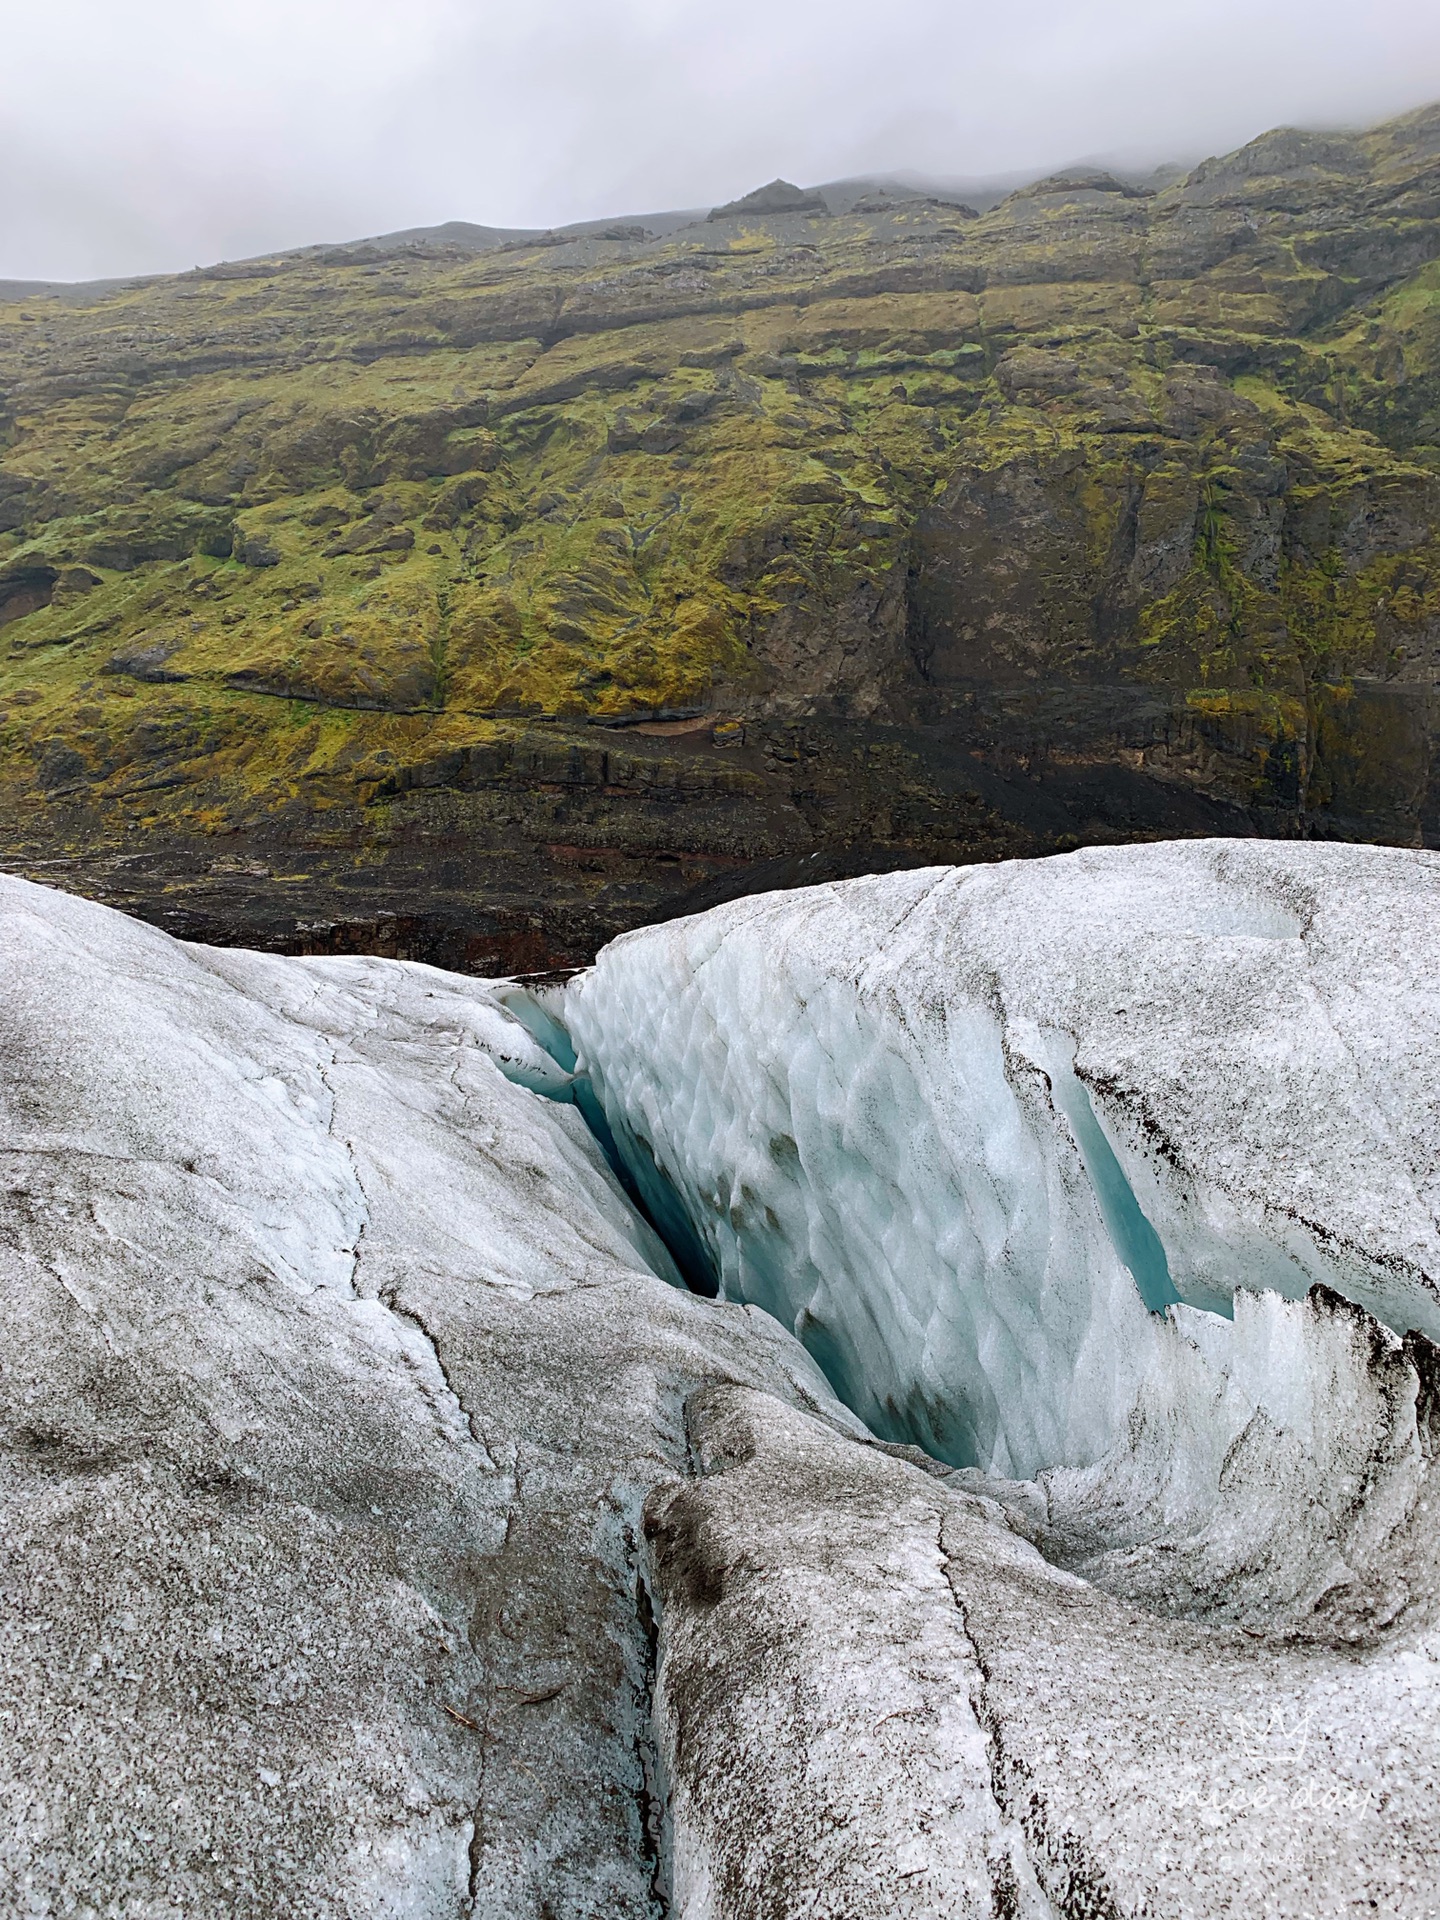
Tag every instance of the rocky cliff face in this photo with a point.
(474, 598)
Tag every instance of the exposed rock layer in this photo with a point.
(899, 534)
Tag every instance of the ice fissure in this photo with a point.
(641, 1178)
(1059, 1174)
(513, 1580)
(1133, 1237)
(1066, 1886)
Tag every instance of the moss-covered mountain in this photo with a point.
(477, 600)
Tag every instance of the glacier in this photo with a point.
(913, 1398)
(1067, 1171)
(335, 1369)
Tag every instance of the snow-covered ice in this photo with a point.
(334, 1371)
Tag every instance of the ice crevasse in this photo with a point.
(1112, 1177)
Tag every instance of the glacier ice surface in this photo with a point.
(334, 1370)
(347, 1435)
(1067, 1171)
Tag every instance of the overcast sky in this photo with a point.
(145, 135)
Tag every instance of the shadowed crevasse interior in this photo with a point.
(638, 1166)
(1101, 1178)
(640, 1175)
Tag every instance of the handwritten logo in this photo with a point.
(1276, 1764)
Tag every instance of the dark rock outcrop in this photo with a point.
(778, 197)
(1111, 512)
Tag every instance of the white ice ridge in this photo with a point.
(971, 1132)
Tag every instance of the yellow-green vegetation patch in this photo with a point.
(262, 524)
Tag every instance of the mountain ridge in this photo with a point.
(478, 604)
(479, 236)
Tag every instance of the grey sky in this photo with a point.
(140, 135)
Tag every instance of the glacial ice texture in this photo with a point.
(334, 1371)
(1113, 1176)
(385, 1536)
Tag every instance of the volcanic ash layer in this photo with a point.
(1037, 1523)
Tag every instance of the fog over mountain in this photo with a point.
(170, 132)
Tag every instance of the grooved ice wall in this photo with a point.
(1041, 1160)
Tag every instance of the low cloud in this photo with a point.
(168, 132)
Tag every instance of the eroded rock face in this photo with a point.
(921, 536)
(391, 1532)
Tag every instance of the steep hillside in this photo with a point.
(473, 598)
